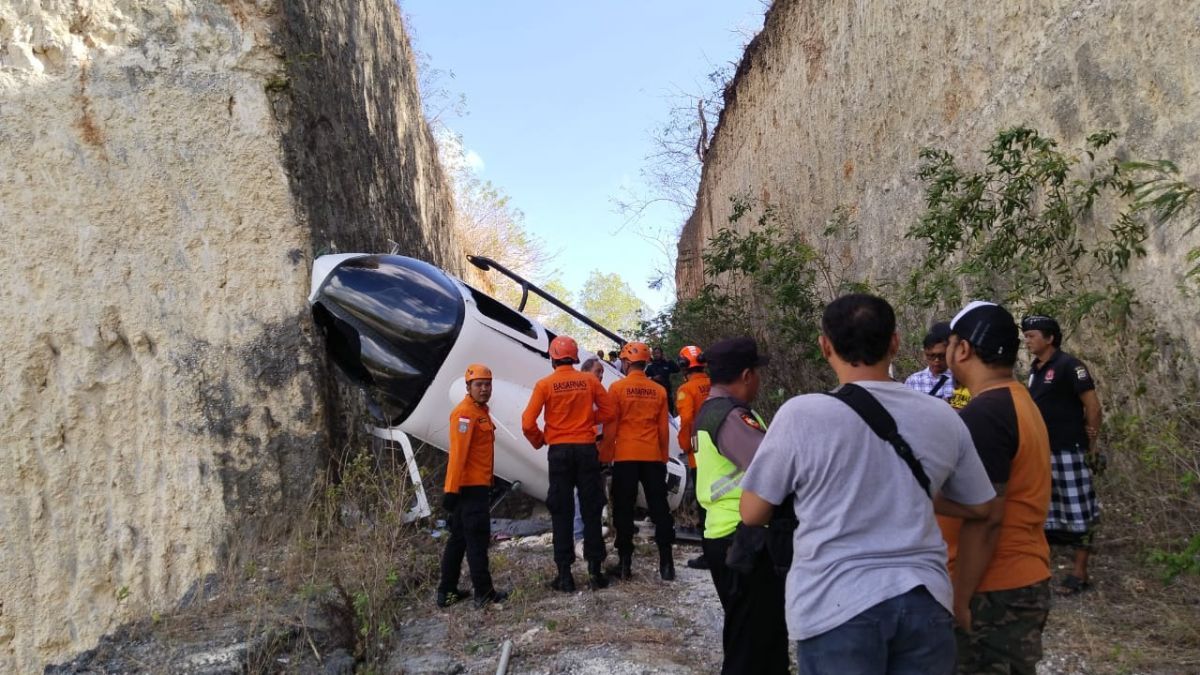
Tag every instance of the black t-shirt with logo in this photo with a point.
(1056, 386)
(991, 418)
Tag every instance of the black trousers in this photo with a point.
(694, 499)
(470, 532)
(575, 466)
(653, 478)
(754, 636)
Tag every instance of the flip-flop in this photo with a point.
(1071, 585)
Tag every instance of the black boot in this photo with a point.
(698, 563)
(625, 567)
(596, 577)
(666, 564)
(447, 598)
(564, 582)
(493, 597)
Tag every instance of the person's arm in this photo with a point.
(754, 509)
(1093, 417)
(967, 512)
(664, 431)
(976, 544)
(462, 428)
(683, 404)
(529, 424)
(608, 446)
(606, 408)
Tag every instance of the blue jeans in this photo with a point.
(908, 634)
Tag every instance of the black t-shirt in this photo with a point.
(992, 420)
(1056, 386)
(660, 371)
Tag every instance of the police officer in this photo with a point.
(728, 433)
(573, 402)
(1065, 392)
(639, 439)
(467, 491)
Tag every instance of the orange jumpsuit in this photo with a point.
(691, 396)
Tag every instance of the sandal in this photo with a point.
(1071, 585)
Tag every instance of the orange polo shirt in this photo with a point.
(692, 394)
(568, 397)
(472, 446)
(640, 432)
(1021, 557)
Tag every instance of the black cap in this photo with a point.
(1040, 322)
(733, 355)
(988, 327)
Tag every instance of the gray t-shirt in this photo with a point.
(866, 530)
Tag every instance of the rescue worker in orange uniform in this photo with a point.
(573, 402)
(636, 443)
(692, 394)
(468, 492)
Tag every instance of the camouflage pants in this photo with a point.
(1006, 631)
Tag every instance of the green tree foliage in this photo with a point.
(609, 300)
(1012, 230)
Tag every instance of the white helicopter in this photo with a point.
(406, 331)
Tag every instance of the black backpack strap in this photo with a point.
(881, 422)
(938, 387)
(712, 415)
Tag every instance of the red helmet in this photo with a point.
(690, 356)
(564, 347)
(478, 371)
(635, 352)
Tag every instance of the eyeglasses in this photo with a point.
(939, 356)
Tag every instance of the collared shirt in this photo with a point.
(1056, 386)
(640, 431)
(573, 402)
(472, 443)
(924, 381)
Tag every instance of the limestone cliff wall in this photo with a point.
(834, 99)
(168, 170)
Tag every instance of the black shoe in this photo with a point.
(447, 598)
(493, 596)
(666, 565)
(625, 567)
(564, 581)
(596, 577)
(698, 563)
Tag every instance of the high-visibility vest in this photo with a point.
(718, 480)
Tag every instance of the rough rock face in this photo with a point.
(168, 170)
(835, 98)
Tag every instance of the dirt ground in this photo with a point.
(1129, 622)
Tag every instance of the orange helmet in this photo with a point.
(690, 356)
(635, 352)
(478, 371)
(564, 347)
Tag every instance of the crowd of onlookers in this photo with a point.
(884, 527)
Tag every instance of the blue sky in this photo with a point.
(562, 99)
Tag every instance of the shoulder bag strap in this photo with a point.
(881, 422)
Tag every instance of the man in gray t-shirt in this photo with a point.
(868, 589)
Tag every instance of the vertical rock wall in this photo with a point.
(834, 99)
(168, 169)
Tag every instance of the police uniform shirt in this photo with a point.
(1056, 386)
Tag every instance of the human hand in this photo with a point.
(962, 616)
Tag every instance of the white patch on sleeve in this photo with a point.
(463, 424)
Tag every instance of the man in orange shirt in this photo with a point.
(467, 492)
(692, 394)
(637, 443)
(1000, 565)
(573, 402)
